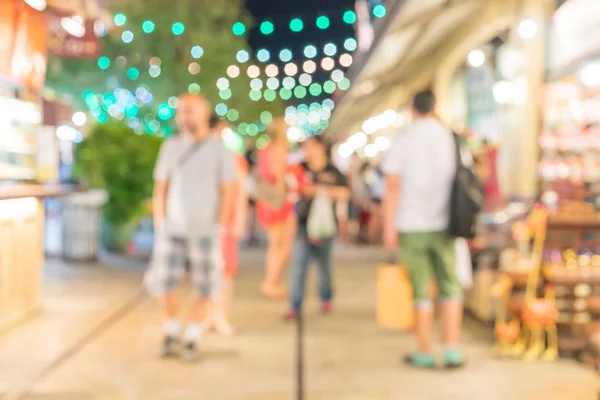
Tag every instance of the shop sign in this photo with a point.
(576, 31)
(64, 44)
(7, 28)
(29, 57)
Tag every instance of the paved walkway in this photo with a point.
(97, 338)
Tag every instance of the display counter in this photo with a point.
(21, 248)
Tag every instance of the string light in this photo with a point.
(104, 62)
(127, 37)
(350, 44)
(267, 27)
(222, 84)
(263, 55)
(238, 29)
(133, 73)
(305, 79)
(233, 71)
(154, 71)
(296, 25)
(155, 61)
(197, 52)
(266, 117)
(273, 83)
(349, 17)
(379, 11)
(255, 95)
(285, 55)
(337, 75)
(178, 28)
(327, 63)
(329, 87)
(330, 49)
(300, 92)
(253, 71)
(233, 115)
(323, 22)
(194, 88)
(148, 26)
(270, 95)
(221, 109)
(346, 60)
(309, 67)
(310, 51)
(225, 94)
(315, 89)
(289, 82)
(194, 68)
(242, 56)
(344, 84)
(256, 84)
(285, 93)
(120, 19)
(272, 70)
(291, 69)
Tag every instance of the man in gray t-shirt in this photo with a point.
(193, 194)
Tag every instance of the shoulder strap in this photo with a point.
(186, 156)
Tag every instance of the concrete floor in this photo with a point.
(97, 339)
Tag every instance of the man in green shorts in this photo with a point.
(420, 168)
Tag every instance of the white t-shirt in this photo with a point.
(424, 156)
(194, 193)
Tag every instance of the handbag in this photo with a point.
(268, 192)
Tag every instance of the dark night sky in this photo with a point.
(280, 12)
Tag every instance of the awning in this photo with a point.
(416, 37)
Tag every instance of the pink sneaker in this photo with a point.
(290, 315)
(326, 307)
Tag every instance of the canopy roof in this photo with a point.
(410, 44)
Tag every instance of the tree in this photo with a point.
(158, 46)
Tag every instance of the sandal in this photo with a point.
(273, 292)
(420, 361)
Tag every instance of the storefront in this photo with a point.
(503, 76)
(28, 159)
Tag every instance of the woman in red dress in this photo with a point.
(278, 222)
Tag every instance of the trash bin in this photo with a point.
(82, 221)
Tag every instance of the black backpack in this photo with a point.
(466, 199)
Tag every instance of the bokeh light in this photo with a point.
(349, 17)
(155, 61)
(344, 84)
(300, 92)
(133, 74)
(270, 95)
(233, 71)
(253, 71)
(225, 94)
(238, 29)
(272, 70)
(104, 62)
(263, 55)
(310, 51)
(291, 69)
(289, 82)
(194, 68)
(255, 95)
(296, 25)
(127, 37)
(233, 115)
(315, 89)
(329, 87)
(323, 22)
(242, 56)
(350, 44)
(305, 79)
(285, 93)
(266, 117)
(309, 66)
(273, 83)
(327, 63)
(346, 60)
(337, 75)
(120, 19)
(267, 27)
(330, 49)
(285, 55)
(221, 109)
(148, 26)
(197, 51)
(154, 71)
(178, 28)
(194, 88)
(256, 84)
(222, 84)
(379, 11)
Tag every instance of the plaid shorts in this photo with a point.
(173, 253)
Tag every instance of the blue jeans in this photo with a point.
(304, 253)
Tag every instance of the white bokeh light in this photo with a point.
(476, 58)
(291, 69)
(327, 63)
(253, 71)
(79, 118)
(309, 66)
(272, 70)
(527, 29)
(233, 71)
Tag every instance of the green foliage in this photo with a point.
(114, 158)
(208, 23)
